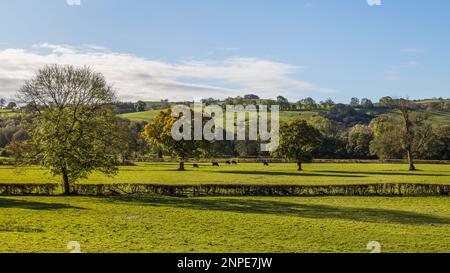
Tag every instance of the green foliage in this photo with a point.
(71, 126)
(386, 144)
(140, 106)
(358, 143)
(298, 140)
(159, 132)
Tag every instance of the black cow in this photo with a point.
(266, 163)
(196, 166)
(215, 164)
(234, 162)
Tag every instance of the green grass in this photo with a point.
(141, 116)
(7, 113)
(164, 224)
(162, 173)
(436, 117)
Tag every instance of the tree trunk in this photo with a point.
(66, 182)
(299, 164)
(181, 168)
(411, 160)
(160, 154)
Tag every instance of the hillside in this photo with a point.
(437, 117)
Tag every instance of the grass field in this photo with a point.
(435, 118)
(162, 173)
(163, 224)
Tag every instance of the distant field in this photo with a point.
(314, 174)
(7, 113)
(436, 117)
(243, 224)
(141, 116)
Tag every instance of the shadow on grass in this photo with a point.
(408, 173)
(311, 211)
(303, 174)
(22, 204)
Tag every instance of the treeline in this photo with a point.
(345, 133)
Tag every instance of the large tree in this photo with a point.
(403, 136)
(298, 140)
(414, 132)
(70, 123)
(159, 133)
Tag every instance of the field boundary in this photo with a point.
(384, 189)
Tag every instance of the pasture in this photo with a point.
(238, 224)
(248, 173)
(436, 117)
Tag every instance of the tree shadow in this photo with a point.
(22, 204)
(311, 211)
(303, 174)
(408, 173)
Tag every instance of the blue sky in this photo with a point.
(201, 48)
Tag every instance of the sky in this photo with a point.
(186, 50)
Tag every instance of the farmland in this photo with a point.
(437, 117)
(238, 224)
(248, 173)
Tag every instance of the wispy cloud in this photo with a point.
(374, 2)
(138, 78)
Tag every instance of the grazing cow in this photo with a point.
(266, 163)
(228, 162)
(196, 166)
(234, 162)
(215, 164)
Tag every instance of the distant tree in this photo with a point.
(309, 103)
(246, 147)
(159, 133)
(298, 140)
(2, 102)
(385, 144)
(134, 143)
(210, 101)
(327, 104)
(386, 101)
(366, 103)
(11, 105)
(354, 102)
(283, 103)
(251, 97)
(413, 134)
(407, 134)
(439, 145)
(358, 144)
(333, 141)
(70, 123)
(140, 106)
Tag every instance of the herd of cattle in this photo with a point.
(216, 164)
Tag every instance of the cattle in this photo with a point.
(196, 166)
(234, 162)
(228, 162)
(266, 163)
(215, 164)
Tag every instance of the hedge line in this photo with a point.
(389, 189)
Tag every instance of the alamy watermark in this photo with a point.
(239, 122)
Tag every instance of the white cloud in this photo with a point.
(139, 78)
(73, 2)
(374, 2)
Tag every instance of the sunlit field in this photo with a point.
(166, 173)
(240, 224)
